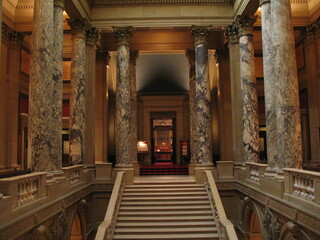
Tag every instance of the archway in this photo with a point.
(76, 229)
(254, 227)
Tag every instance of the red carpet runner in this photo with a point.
(164, 169)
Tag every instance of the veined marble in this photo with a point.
(133, 99)
(192, 105)
(249, 92)
(123, 105)
(203, 108)
(57, 82)
(77, 92)
(40, 89)
(269, 82)
(287, 95)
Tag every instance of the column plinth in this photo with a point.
(248, 89)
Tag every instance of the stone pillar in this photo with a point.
(203, 112)
(123, 116)
(269, 85)
(57, 82)
(287, 94)
(0, 26)
(237, 112)
(248, 90)
(41, 88)
(92, 37)
(101, 107)
(133, 112)
(77, 91)
(13, 99)
(310, 50)
(192, 106)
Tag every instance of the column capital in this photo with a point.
(92, 35)
(222, 55)
(191, 55)
(232, 32)
(10, 34)
(123, 34)
(309, 32)
(59, 3)
(245, 24)
(78, 27)
(104, 55)
(200, 34)
(263, 2)
(134, 54)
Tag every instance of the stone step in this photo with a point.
(173, 189)
(160, 198)
(164, 218)
(184, 193)
(165, 208)
(165, 224)
(162, 182)
(165, 213)
(166, 203)
(155, 230)
(211, 236)
(160, 185)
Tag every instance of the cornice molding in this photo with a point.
(155, 2)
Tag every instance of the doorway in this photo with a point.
(163, 141)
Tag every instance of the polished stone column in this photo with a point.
(0, 26)
(269, 85)
(92, 37)
(192, 106)
(248, 89)
(285, 70)
(203, 112)
(123, 105)
(40, 89)
(77, 92)
(237, 112)
(133, 111)
(57, 82)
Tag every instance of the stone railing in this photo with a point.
(302, 185)
(254, 171)
(74, 174)
(225, 227)
(24, 189)
(106, 228)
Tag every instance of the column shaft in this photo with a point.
(41, 88)
(287, 98)
(269, 83)
(123, 117)
(77, 92)
(248, 88)
(203, 113)
(57, 83)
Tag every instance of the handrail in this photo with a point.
(106, 228)
(225, 227)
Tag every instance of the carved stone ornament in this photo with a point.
(59, 3)
(232, 33)
(271, 224)
(245, 24)
(134, 54)
(92, 35)
(123, 34)
(78, 27)
(59, 226)
(200, 34)
(191, 55)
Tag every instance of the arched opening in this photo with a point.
(254, 227)
(76, 230)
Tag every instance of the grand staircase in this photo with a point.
(165, 210)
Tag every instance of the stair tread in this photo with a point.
(166, 218)
(172, 185)
(159, 213)
(161, 198)
(167, 236)
(164, 189)
(165, 230)
(165, 208)
(165, 224)
(175, 203)
(203, 192)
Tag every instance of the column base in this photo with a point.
(128, 169)
(200, 174)
(136, 168)
(192, 167)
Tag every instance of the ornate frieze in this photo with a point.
(155, 2)
(123, 34)
(200, 34)
(245, 24)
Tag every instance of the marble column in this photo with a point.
(123, 105)
(192, 106)
(248, 90)
(237, 112)
(133, 111)
(203, 112)
(269, 85)
(92, 37)
(0, 26)
(287, 95)
(57, 82)
(41, 88)
(77, 91)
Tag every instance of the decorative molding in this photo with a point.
(123, 34)
(92, 35)
(271, 224)
(245, 24)
(200, 34)
(156, 2)
(60, 226)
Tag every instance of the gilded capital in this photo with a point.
(134, 54)
(263, 2)
(92, 35)
(78, 27)
(123, 34)
(191, 57)
(233, 34)
(245, 24)
(59, 3)
(200, 34)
